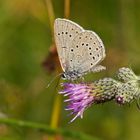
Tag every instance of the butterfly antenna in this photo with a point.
(54, 79)
(138, 104)
(57, 83)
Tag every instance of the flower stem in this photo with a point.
(67, 8)
(55, 114)
(57, 102)
(46, 128)
(50, 13)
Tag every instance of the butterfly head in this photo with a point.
(70, 75)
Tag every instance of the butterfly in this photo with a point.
(80, 51)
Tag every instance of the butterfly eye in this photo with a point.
(63, 76)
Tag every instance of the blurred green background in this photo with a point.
(25, 40)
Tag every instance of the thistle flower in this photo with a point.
(126, 74)
(83, 95)
(109, 88)
(129, 90)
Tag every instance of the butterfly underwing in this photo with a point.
(80, 51)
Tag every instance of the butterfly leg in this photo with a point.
(82, 79)
(98, 68)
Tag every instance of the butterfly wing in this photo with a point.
(86, 52)
(65, 31)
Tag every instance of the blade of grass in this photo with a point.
(47, 129)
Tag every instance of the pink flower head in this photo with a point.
(83, 95)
